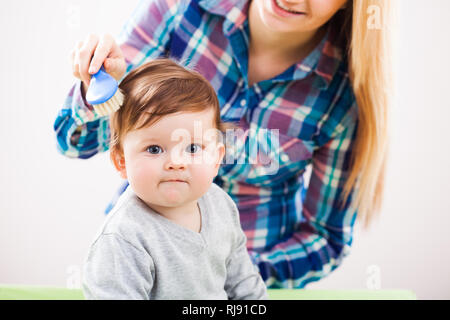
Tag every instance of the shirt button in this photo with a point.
(243, 102)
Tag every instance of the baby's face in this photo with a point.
(174, 161)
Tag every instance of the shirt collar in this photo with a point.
(234, 11)
(324, 60)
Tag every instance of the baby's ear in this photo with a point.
(220, 154)
(118, 159)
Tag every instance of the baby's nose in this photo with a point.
(175, 166)
(176, 161)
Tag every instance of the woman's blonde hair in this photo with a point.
(366, 28)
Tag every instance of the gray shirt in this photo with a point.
(139, 254)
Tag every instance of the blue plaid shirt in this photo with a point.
(297, 232)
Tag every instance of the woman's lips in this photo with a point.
(282, 12)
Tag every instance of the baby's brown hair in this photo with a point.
(158, 88)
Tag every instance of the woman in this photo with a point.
(314, 70)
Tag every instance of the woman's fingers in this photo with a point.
(115, 67)
(101, 52)
(88, 56)
(84, 56)
(117, 62)
(109, 65)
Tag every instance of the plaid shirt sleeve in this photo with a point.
(324, 236)
(80, 132)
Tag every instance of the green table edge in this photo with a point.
(26, 292)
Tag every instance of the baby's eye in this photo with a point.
(154, 149)
(194, 148)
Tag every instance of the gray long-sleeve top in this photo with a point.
(139, 254)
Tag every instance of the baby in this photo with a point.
(173, 234)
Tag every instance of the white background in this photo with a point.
(51, 206)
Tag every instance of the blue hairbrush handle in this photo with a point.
(101, 88)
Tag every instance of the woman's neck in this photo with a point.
(283, 45)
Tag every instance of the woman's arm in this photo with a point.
(80, 132)
(324, 236)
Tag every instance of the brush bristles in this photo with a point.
(111, 105)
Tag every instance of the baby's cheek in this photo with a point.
(203, 175)
(141, 176)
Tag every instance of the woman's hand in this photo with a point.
(88, 56)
